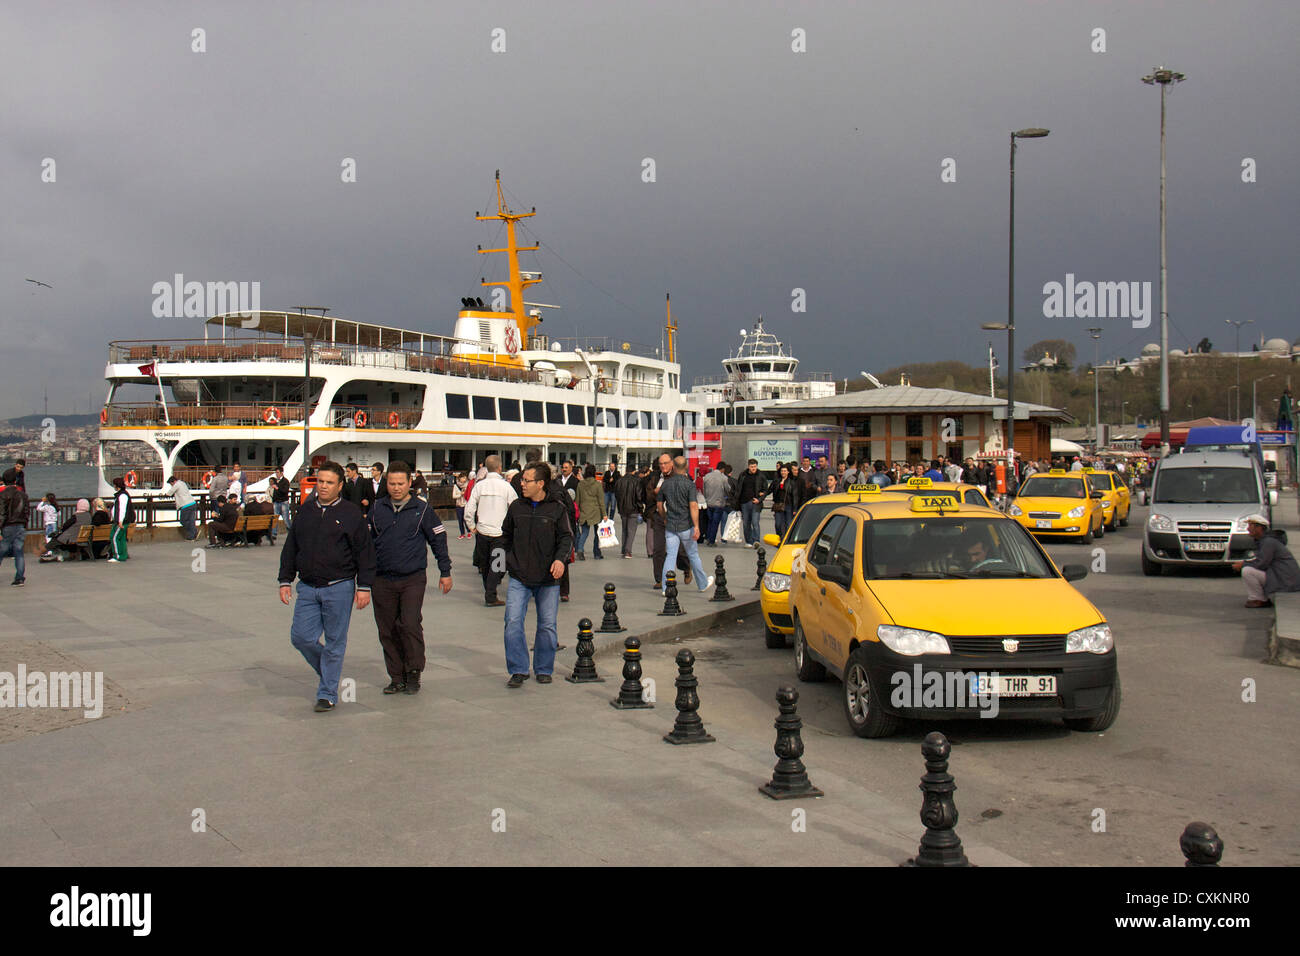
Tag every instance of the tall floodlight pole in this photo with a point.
(1032, 132)
(1096, 389)
(1164, 77)
(1237, 326)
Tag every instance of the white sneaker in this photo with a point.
(709, 585)
(114, 561)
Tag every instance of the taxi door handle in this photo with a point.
(823, 590)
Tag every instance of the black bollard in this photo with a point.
(584, 669)
(1201, 845)
(720, 592)
(940, 845)
(629, 694)
(762, 569)
(609, 624)
(688, 728)
(789, 776)
(671, 607)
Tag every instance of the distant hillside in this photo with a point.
(34, 421)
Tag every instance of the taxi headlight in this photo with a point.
(1076, 512)
(1095, 640)
(1160, 523)
(776, 583)
(910, 642)
(1014, 511)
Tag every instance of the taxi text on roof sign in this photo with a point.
(934, 503)
(1058, 471)
(868, 489)
(919, 481)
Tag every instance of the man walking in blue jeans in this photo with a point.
(537, 540)
(13, 524)
(681, 510)
(330, 551)
(751, 489)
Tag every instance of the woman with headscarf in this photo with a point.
(64, 542)
(99, 515)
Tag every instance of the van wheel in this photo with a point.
(1103, 720)
(806, 669)
(1152, 569)
(861, 704)
(774, 638)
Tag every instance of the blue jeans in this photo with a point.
(324, 610)
(595, 540)
(715, 516)
(187, 516)
(545, 641)
(282, 510)
(609, 504)
(682, 540)
(782, 519)
(749, 513)
(11, 543)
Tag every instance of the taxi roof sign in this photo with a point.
(1058, 471)
(919, 481)
(868, 488)
(1092, 471)
(936, 503)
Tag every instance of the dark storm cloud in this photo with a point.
(775, 170)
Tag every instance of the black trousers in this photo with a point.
(484, 546)
(629, 531)
(657, 530)
(399, 604)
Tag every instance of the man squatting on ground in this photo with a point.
(399, 527)
(330, 551)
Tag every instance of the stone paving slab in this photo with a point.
(218, 718)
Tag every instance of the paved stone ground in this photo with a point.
(219, 724)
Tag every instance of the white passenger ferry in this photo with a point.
(759, 375)
(299, 387)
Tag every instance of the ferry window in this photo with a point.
(632, 419)
(762, 366)
(457, 406)
(485, 407)
(611, 417)
(577, 415)
(509, 409)
(780, 367)
(647, 420)
(915, 426)
(555, 413)
(663, 421)
(532, 411)
(743, 417)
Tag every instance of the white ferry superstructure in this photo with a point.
(380, 393)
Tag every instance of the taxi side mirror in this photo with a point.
(772, 539)
(1074, 572)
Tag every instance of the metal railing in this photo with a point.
(122, 414)
(375, 416)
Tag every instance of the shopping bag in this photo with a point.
(735, 530)
(605, 534)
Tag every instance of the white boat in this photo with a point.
(385, 392)
(760, 374)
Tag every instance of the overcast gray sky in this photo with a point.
(775, 170)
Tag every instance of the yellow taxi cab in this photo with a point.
(1059, 502)
(1115, 498)
(969, 494)
(774, 596)
(931, 608)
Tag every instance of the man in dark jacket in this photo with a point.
(630, 498)
(279, 486)
(370, 490)
(537, 540)
(751, 489)
(400, 526)
(330, 551)
(610, 483)
(351, 484)
(221, 530)
(13, 524)
(1272, 569)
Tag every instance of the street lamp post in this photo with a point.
(1164, 77)
(1096, 389)
(1237, 326)
(1237, 389)
(595, 400)
(1033, 132)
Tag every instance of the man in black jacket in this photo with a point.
(537, 540)
(751, 489)
(631, 501)
(13, 524)
(330, 550)
(400, 526)
(351, 490)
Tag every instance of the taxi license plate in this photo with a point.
(1016, 685)
(1043, 523)
(1203, 546)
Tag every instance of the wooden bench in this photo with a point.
(253, 523)
(99, 534)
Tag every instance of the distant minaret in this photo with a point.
(47, 402)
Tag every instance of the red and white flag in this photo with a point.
(149, 370)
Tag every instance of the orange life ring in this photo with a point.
(207, 478)
(131, 479)
(394, 419)
(360, 418)
(271, 415)
(103, 416)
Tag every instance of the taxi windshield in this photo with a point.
(1099, 482)
(806, 522)
(920, 547)
(1046, 486)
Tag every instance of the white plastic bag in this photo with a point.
(605, 534)
(735, 530)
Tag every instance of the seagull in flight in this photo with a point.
(39, 283)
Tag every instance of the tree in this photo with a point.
(1059, 349)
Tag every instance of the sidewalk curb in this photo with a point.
(607, 644)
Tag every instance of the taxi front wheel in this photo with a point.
(806, 669)
(861, 705)
(1103, 720)
(774, 638)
